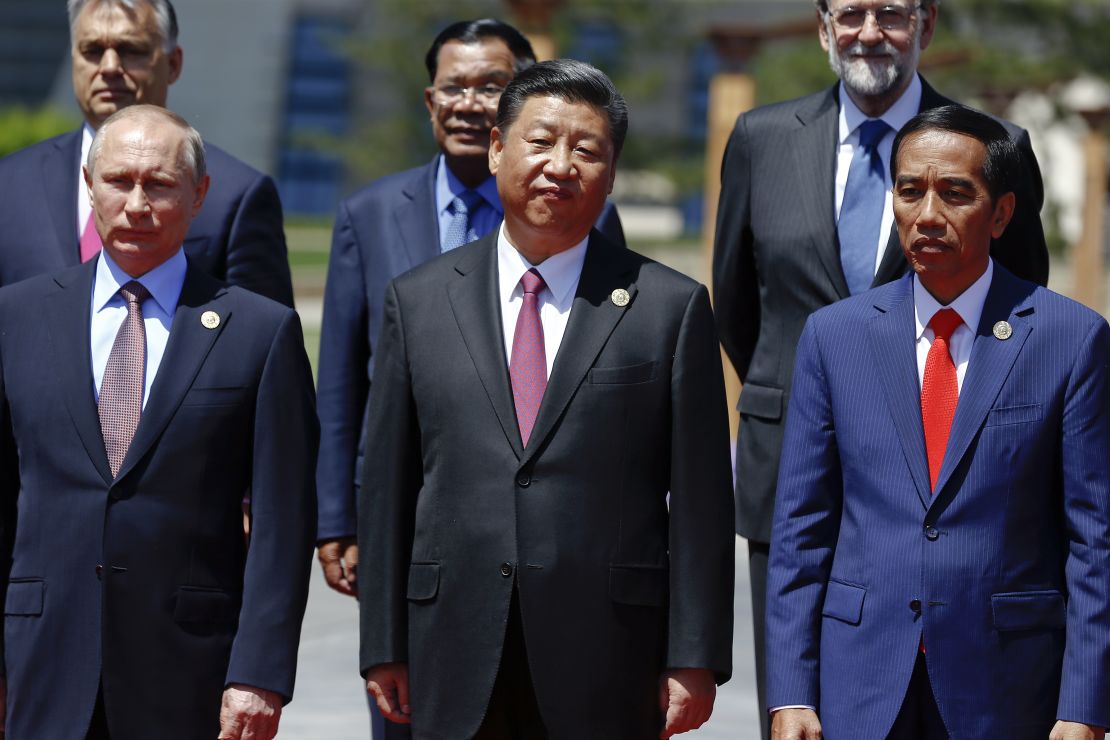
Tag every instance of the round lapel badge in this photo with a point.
(209, 319)
(620, 297)
(1003, 330)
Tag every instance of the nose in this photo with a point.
(870, 33)
(110, 62)
(559, 163)
(137, 204)
(930, 216)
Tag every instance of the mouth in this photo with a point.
(554, 193)
(929, 246)
(472, 133)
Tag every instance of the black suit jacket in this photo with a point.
(613, 585)
(144, 584)
(776, 260)
(237, 237)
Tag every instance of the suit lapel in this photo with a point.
(59, 173)
(989, 365)
(593, 317)
(893, 343)
(477, 309)
(67, 321)
(188, 346)
(416, 220)
(815, 157)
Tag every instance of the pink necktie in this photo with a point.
(528, 365)
(940, 390)
(121, 388)
(90, 240)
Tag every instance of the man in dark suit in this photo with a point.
(126, 53)
(940, 562)
(536, 396)
(392, 225)
(140, 399)
(805, 219)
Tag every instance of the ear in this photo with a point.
(429, 100)
(177, 58)
(928, 25)
(612, 175)
(496, 146)
(88, 181)
(200, 193)
(823, 32)
(1003, 212)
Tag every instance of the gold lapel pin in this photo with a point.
(209, 319)
(1003, 330)
(620, 297)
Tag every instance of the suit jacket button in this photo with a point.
(523, 480)
(915, 606)
(506, 569)
(99, 570)
(931, 533)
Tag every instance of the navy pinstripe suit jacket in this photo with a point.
(1004, 572)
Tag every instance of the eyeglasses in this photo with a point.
(888, 17)
(487, 95)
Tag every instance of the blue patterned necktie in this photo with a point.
(460, 230)
(861, 212)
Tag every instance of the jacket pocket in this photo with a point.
(638, 585)
(25, 597)
(210, 605)
(761, 401)
(1013, 415)
(641, 373)
(844, 601)
(423, 581)
(1026, 610)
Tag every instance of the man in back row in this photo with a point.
(126, 52)
(805, 219)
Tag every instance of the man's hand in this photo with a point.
(686, 699)
(248, 713)
(1075, 731)
(339, 559)
(388, 683)
(795, 724)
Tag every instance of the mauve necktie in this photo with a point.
(528, 365)
(460, 230)
(861, 211)
(90, 240)
(121, 388)
(940, 391)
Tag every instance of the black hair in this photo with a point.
(472, 32)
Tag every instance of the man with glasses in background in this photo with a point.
(390, 226)
(805, 219)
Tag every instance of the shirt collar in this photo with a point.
(969, 304)
(164, 282)
(896, 116)
(448, 186)
(560, 271)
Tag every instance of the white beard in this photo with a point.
(875, 77)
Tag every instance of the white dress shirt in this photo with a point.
(969, 305)
(84, 208)
(109, 309)
(896, 116)
(560, 272)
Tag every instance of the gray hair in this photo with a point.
(823, 5)
(194, 145)
(164, 16)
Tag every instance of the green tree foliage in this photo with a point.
(20, 127)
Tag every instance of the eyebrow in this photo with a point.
(957, 181)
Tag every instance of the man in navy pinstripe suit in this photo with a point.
(951, 579)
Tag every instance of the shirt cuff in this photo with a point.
(772, 710)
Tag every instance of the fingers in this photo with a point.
(686, 697)
(389, 685)
(247, 713)
(350, 565)
(332, 555)
(795, 724)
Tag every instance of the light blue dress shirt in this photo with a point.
(109, 309)
(485, 216)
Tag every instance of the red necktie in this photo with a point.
(939, 390)
(528, 364)
(90, 240)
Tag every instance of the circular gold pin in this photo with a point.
(209, 319)
(1003, 330)
(620, 297)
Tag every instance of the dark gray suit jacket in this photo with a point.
(777, 259)
(614, 585)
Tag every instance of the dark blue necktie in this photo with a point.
(460, 230)
(861, 212)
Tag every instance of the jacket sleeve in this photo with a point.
(1022, 249)
(343, 382)
(806, 525)
(283, 518)
(735, 279)
(257, 257)
(1085, 438)
(391, 482)
(701, 541)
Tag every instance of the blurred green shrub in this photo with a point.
(20, 127)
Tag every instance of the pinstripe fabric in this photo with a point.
(1011, 555)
